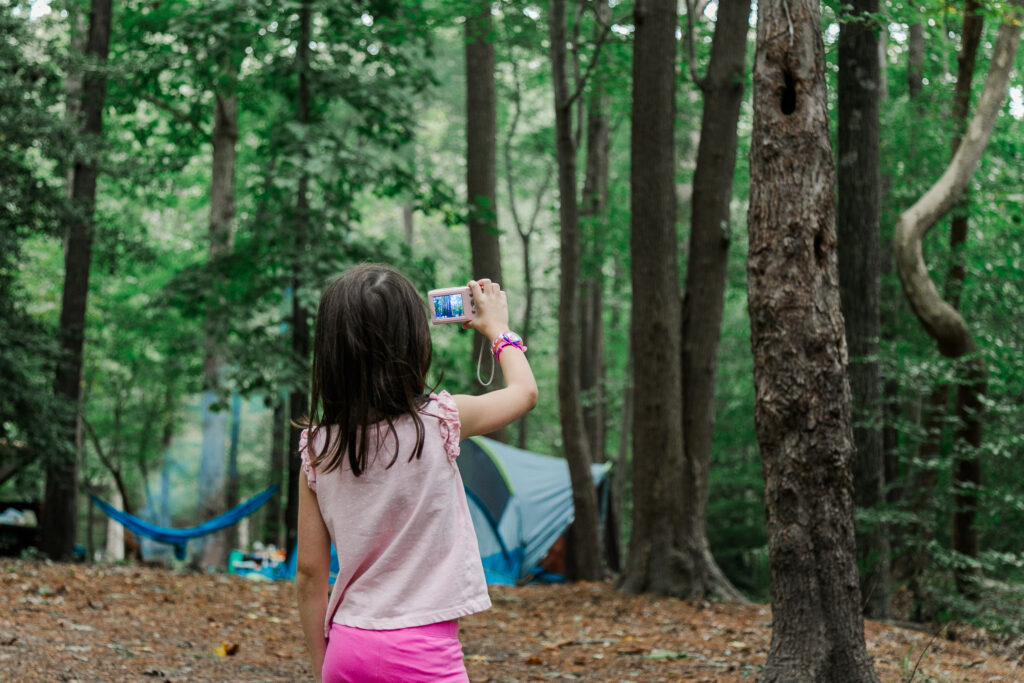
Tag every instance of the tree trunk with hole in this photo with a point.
(704, 300)
(941, 320)
(59, 523)
(586, 546)
(655, 550)
(857, 228)
(802, 405)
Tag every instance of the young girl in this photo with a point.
(382, 484)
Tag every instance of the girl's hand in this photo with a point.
(491, 308)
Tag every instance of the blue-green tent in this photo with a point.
(520, 502)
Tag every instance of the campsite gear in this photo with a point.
(521, 503)
(19, 527)
(179, 538)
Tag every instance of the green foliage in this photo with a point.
(31, 203)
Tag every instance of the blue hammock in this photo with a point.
(179, 538)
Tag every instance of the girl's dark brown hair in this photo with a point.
(371, 353)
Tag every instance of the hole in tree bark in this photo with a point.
(819, 248)
(787, 99)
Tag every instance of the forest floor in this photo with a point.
(73, 622)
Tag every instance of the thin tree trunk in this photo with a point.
(272, 527)
(592, 366)
(802, 408)
(654, 552)
(857, 228)
(231, 490)
(586, 547)
(59, 523)
(408, 224)
(939, 318)
(524, 229)
(704, 299)
(966, 461)
(481, 152)
(222, 215)
(298, 399)
(623, 470)
(915, 60)
(593, 216)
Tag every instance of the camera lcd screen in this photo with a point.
(448, 306)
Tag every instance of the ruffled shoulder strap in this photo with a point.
(307, 466)
(448, 413)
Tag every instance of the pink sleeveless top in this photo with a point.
(407, 552)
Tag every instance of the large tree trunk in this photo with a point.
(222, 216)
(704, 299)
(59, 524)
(654, 552)
(481, 152)
(939, 318)
(586, 546)
(298, 399)
(857, 229)
(802, 407)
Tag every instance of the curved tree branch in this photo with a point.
(943, 322)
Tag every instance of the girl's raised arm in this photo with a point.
(494, 410)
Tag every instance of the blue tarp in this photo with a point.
(179, 538)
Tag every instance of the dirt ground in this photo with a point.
(65, 622)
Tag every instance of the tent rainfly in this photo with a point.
(520, 502)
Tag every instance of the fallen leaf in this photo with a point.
(227, 650)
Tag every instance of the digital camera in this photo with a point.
(451, 305)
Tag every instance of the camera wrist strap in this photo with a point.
(479, 364)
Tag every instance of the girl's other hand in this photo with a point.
(491, 308)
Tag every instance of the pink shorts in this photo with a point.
(408, 655)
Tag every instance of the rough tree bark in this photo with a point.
(704, 299)
(857, 229)
(59, 523)
(802, 406)
(654, 551)
(941, 320)
(586, 548)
